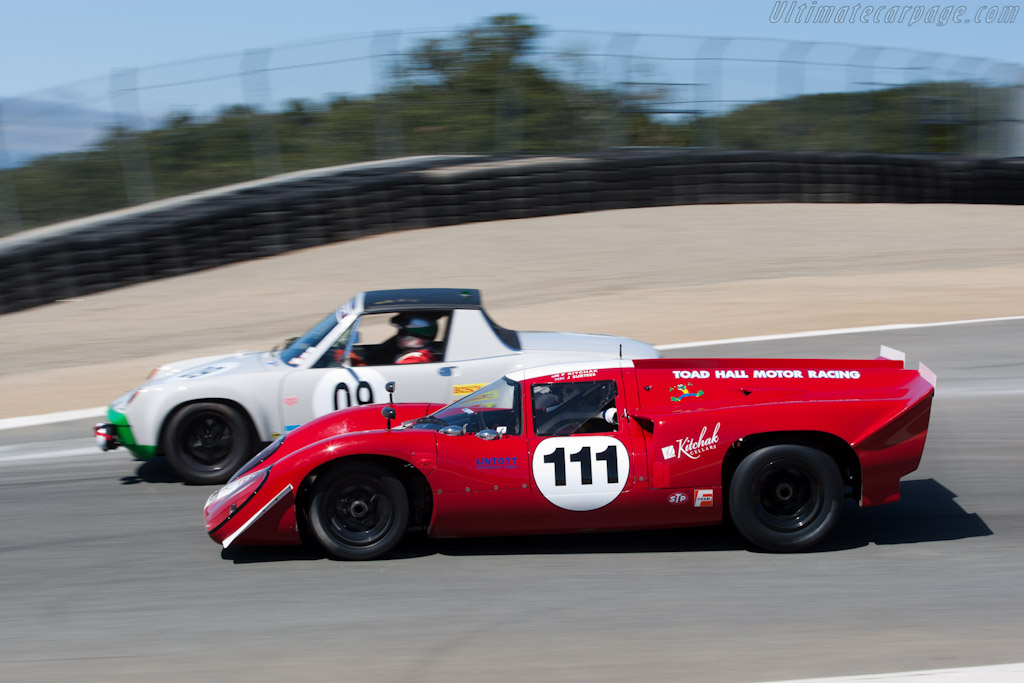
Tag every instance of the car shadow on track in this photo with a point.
(926, 513)
(155, 471)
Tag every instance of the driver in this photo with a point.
(414, 338)
(412, 343)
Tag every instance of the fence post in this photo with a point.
(616, 129)
(508, 111)
(792, 62)
(124, 95)
(1015, 115)
(266, 152)
(388, 119)
(923, 62)
(858, 120)
(709, 73)
(10, 216)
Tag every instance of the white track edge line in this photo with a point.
(827, 333)
(51, 418)
(75, 453)
(997, 673)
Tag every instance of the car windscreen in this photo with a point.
(294, 353)
(496, 406)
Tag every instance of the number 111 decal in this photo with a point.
(582, 472)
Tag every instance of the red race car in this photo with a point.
(594, 446)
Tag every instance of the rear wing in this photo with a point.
(890, 353)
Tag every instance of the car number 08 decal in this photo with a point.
(343, 395)
(581, 472)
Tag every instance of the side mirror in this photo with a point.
(452, 430)
(389, 387)
(388, 413)
(488, 434)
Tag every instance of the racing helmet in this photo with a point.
(414, 331)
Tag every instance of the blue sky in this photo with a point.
(51, 42)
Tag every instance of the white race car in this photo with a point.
(209, 415)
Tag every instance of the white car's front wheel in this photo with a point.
(207, 442)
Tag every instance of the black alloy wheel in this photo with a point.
(786, 498)
(359, 511)
(207, 442)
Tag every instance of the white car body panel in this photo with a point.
(277, 395)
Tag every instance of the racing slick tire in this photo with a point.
(206, 443)
(786, 498)
(358, 511)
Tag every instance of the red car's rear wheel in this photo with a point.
(786, 498)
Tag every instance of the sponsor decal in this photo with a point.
(207, 371)
(811, 374)
(833, 374)
(677, 498)
(691, 374)
(465, 389)
(496, 463)
(575, 374)
(703, 498)
(681, 391)
(778, 374)
(693, 448)
(291, 400)
(766, 374)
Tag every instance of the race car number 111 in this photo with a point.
(580, 473)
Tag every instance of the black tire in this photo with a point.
(786, 498)
(207, 442)
(359, 511)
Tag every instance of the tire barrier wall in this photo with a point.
(305, 210)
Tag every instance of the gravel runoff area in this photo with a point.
(662, 274)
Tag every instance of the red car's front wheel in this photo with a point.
(359, 511)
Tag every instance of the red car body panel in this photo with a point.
(663, 464)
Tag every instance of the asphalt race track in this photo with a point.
(107, 573)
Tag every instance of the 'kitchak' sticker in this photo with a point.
(692, 448)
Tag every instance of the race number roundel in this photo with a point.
(581, 472)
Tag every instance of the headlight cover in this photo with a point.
(252, 480)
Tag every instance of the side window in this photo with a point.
(389, 339)
(564, 408)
